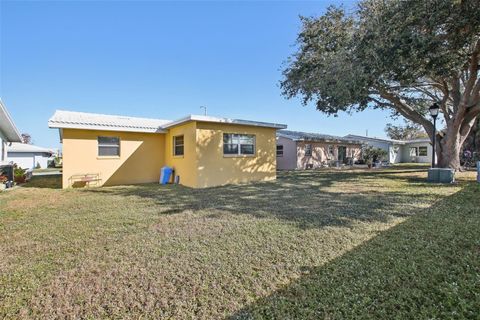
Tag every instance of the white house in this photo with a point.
(400, 151)
(28, 155)
(8, 133)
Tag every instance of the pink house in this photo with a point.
(303, 150)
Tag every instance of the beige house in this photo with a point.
(303, 150)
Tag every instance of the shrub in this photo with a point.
(58, 162)
(371, 154)
(19, 175)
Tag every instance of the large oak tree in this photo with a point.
(401, 55)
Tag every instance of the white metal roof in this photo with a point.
(92, 121)
(363, 138)
(23, 147)
(420, 140)
(194, 117)
(7, 127)
(308, 136)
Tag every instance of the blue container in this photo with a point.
(165, 175)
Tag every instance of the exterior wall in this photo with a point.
(406, 157)
(185, 166)
(215, 169)
(320, 154)
(394, 151)
(29, 159)
(141, 157)
(289, 159)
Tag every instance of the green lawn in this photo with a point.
(311, 245)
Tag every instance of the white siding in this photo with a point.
(392, 150)
(29, 159)
(406, 157)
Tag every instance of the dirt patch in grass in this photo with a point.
(236, 251)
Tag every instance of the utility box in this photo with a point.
(441, 175)
(478, 171)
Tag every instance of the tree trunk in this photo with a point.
(448, 152)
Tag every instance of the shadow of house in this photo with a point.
(301, 198)
(426, 267)
(141, 165)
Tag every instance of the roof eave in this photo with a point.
(54, 125)
(11, 133)
(225, 121)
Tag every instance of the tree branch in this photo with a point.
(407, 111)
(456, 94)
(472, 73)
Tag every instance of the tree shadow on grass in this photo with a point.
(304, 198)
(426, 267)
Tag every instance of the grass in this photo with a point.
(316, 244)
(44, 170)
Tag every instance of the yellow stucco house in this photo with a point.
(204, 151)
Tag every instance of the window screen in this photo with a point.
(108, 146)
(238, 144)
(422, 151)
(279, 150)
(178, 146)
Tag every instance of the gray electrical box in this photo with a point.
(441, 175)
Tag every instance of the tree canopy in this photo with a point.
(400, 55)
(407, 131)
(26, 138)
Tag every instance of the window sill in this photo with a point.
(107, 157)
(178, 157)
(239, 155)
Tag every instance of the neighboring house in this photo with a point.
(400, 151)
(28, 155)
(204, 151)
(303, 150)
(8, 133)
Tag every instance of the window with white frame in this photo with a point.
(413, 152)
(108, 146)
(279, 150)
(308, 150)
(422, 151)
(238, 144)
(178, 146)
